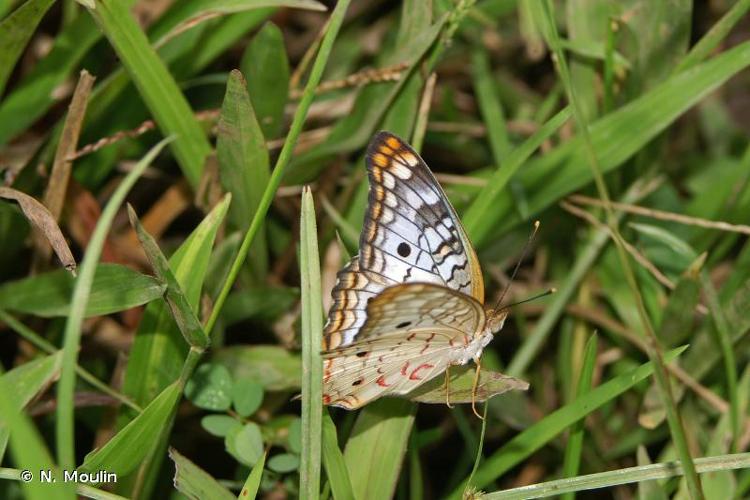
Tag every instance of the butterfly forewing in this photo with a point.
(411, 232)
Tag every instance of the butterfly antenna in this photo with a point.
(518, 264)
(538, 296)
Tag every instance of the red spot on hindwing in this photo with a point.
(381, 382)
(326, 399)
(404, 368)
(415, 373)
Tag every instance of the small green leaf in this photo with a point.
(247, 397)
(286, 462)
(194, 482)
(245, 443)
(219, 425)
(210, 387)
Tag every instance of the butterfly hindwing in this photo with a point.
(411, 333)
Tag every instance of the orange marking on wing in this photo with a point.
(404, 368)
(415, 373)
(380, 159)
(381, 382)
(393, 142)
(326, 399)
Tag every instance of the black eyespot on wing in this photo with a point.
(357, 382)
(362, 354)
(403, 249)
(404, 324)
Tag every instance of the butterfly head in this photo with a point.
(496, 319)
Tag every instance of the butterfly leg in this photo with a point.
(478, 361)
(448, 387)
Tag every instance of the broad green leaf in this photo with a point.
(376, 448)
(247, 397)
(312, 365)
(294, 439)
(266, 68)
(243, 166)
(273, 367)
(15, 32)
(182, 313)
(126, 450)
(258, 303)
(194, 482)
(542, 432)
(462, 384)
(25, 382)
(115, 288)
(210, 387)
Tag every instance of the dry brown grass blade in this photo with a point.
(44, 221)
(662, 215)
(57, 186)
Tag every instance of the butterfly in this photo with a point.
(410, 304)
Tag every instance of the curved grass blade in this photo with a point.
(622, 476)
(539, 434)
(81, 293)
(194, 482)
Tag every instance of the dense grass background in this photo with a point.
(163, 341)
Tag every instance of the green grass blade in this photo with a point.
(724, 338)
(622, 476)
(194, 482)
(155, 85)
(619, 135)
(490, 107)
(653, 346)
(126, 450)
(82, 291)
(316, 73)
(115, 288)
(715, 35)
(482, 215)
(312, 365)
(252, 483)
(179, 305)
(556, 305)
(25, 382)
(573, 450)
(244, 167)
(15, 32)
(542, 432)
(333, 461)
(27, 446)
